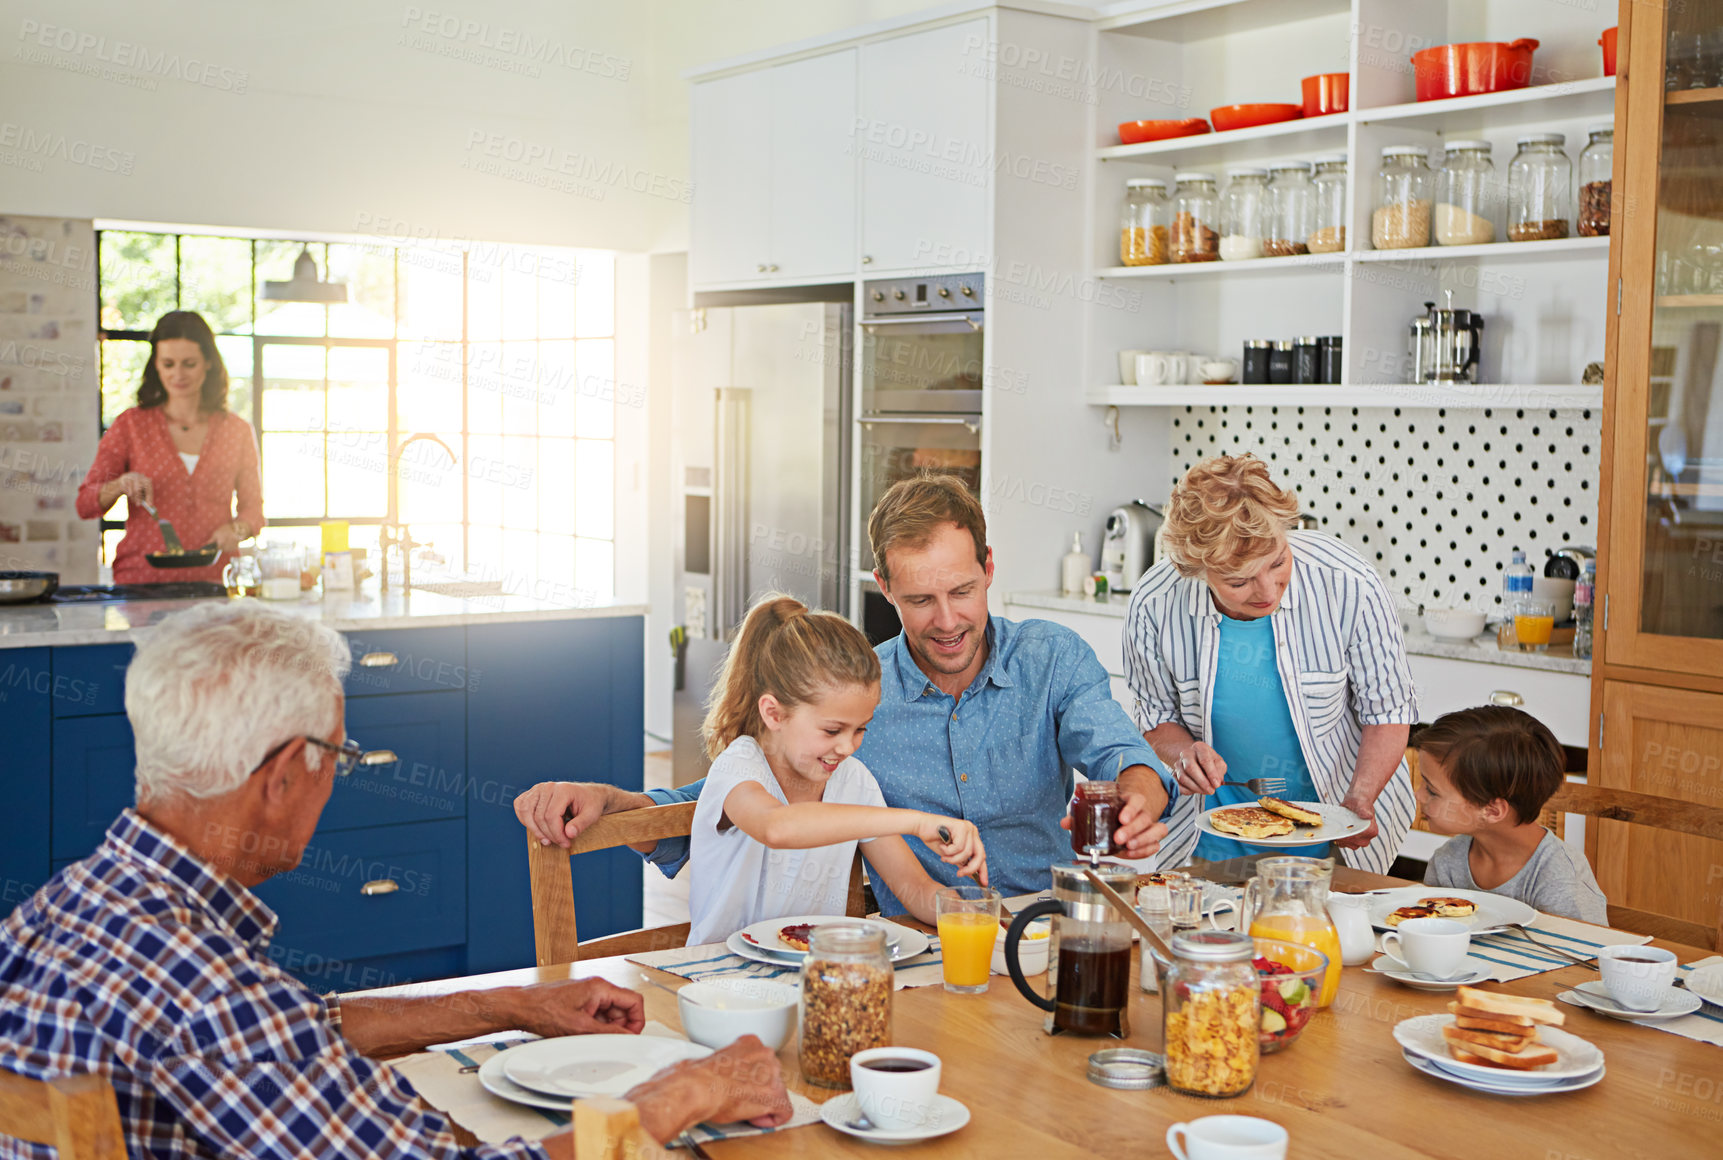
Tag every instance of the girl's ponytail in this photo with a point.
(787, 651)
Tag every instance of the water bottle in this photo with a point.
(1516, 580)
(1583, 590)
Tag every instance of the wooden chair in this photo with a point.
(76, 1115)
(554, 932)
(1640, 809)
(1419, 821)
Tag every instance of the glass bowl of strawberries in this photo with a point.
(1291, 975)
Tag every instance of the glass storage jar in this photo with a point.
(1244, 214)
(1196, 218)
(1328, 229)
(846, 1000)
(1467, 196)
(1211, 1007)
(1596, 167)
(1291, 209)
(1539, 179)
(1404, 186)
(1143, 223)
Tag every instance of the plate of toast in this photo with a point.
(1500, 1040)
(1274, 821)
(1479, 909)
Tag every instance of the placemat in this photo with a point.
(436, 1076)
(1512, 955)
(1704, 1025)
(714, 961)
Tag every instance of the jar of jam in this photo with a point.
(1094, 818)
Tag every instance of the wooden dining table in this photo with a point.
(1341, 1090)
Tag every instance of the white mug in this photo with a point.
(1228, 1138)
(1637, 977)
(1430, 946)
(1160, 368)
(1128, 366)
(897, 1101)
(1181, 366)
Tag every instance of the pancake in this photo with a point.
(796, 937)
(1287, 809)
(1450, 907)
(1406, 913)
(1250, 822)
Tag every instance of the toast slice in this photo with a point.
(1496, 1004)
(1483, 1021)
(1490, 1057)
(1287, 809)
(1512, 1044)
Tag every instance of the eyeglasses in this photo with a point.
(348, 755)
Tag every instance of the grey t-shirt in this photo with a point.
(1554, 879)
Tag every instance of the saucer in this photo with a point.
(1436, 1071)
(948, 1116)
(1472, 970)
(1596, 997)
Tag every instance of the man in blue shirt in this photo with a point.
(979, 717)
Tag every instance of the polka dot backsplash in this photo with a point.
(1437, 500)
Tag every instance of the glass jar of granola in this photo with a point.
(846, 1000)
(1211, 1004)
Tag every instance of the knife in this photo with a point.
(170, 538)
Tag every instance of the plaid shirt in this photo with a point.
(144, 966)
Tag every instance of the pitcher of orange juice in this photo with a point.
(1288, 900)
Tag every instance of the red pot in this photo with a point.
(1465, 70)
(1325, 93)
(1608, 43)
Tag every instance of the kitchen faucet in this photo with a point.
(403, 538)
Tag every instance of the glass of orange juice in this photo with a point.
(968, 925)
(1534, 621)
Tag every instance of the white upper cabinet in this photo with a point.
(924, 141)
(774, 178)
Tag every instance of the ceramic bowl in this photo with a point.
(1031, 952)
(717, 1013)
(1290, 983)
(1249, 116)
(1453, 623)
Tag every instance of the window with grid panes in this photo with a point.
(505, 354)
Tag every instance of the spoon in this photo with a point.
(677, 991)
(861, 1123)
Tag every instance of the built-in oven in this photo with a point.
(921, 382)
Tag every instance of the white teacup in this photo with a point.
(1637, 977)
(1228, 1138)
(1128, 366)
(897, 1101)
(1430, 946)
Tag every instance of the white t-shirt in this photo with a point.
(738, 881)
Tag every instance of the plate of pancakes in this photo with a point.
(1479, 909)
(1274, 821)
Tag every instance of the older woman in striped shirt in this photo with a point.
(1254, 650)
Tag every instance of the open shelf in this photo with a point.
(1554, 248)
(1318, 134)
(1570, 100)
(1422, 396)
(1688, 301)
(1694, 97)
(1291, 264)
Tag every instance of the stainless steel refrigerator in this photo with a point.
(762, 422)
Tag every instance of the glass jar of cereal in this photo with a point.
(846, 1000)
(1143, 223)
(1211, 1004)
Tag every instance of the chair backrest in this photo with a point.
(1419, 821)
(76, 1115)
(1641, 809)
(554, 930)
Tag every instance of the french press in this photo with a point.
(1445, 343)
(1089, 957)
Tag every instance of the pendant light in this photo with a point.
(305, 287)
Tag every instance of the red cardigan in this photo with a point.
(196, 503)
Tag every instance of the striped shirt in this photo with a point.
(1342, 664)
(144, 966)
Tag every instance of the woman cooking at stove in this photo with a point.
(1255, 650)
(181, 450)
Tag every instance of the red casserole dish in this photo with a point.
(1465, 70)
(1137, 132)
(1249, 116)
(1325, 93)
(1608, 43)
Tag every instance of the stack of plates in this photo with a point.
(549, 1073)
(1579, 1064)
(760, 942)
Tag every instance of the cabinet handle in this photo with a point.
(379, 757)
(1506, 697)
(773, 267)
(760, 268)
(380, 886)
(867, 259)
(379, 660)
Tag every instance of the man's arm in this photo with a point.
(555, 812)
(381, 1027)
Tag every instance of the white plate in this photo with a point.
(1707, 983)
(903, 942)
(1571, 1085)
(1594, 995)
(1575, 1057)
(1471, 971)
(1337, 822)
(948, 1116)
(497, 1082)
(1495, 911)
(594, 1065)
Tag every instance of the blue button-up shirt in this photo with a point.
(1001, 755)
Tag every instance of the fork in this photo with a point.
(1261, 785)
(1578, 960)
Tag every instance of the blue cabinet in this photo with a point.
(407, 660)
(26, 713)
(427, 732)
(93, 780)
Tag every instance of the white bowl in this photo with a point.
(1453, 623)
(717, 1013)
(1031, 952)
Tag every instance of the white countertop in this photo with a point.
(1479, 650)
(32, 625)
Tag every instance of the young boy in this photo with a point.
(1486, 773)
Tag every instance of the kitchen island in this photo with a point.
(418, 867)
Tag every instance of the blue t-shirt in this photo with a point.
(1253, 733)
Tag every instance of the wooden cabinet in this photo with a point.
(774, 173)
(1657, 681)
(926, 150)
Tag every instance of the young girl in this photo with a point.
(785, 803)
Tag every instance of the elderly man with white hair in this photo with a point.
(146, 963)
